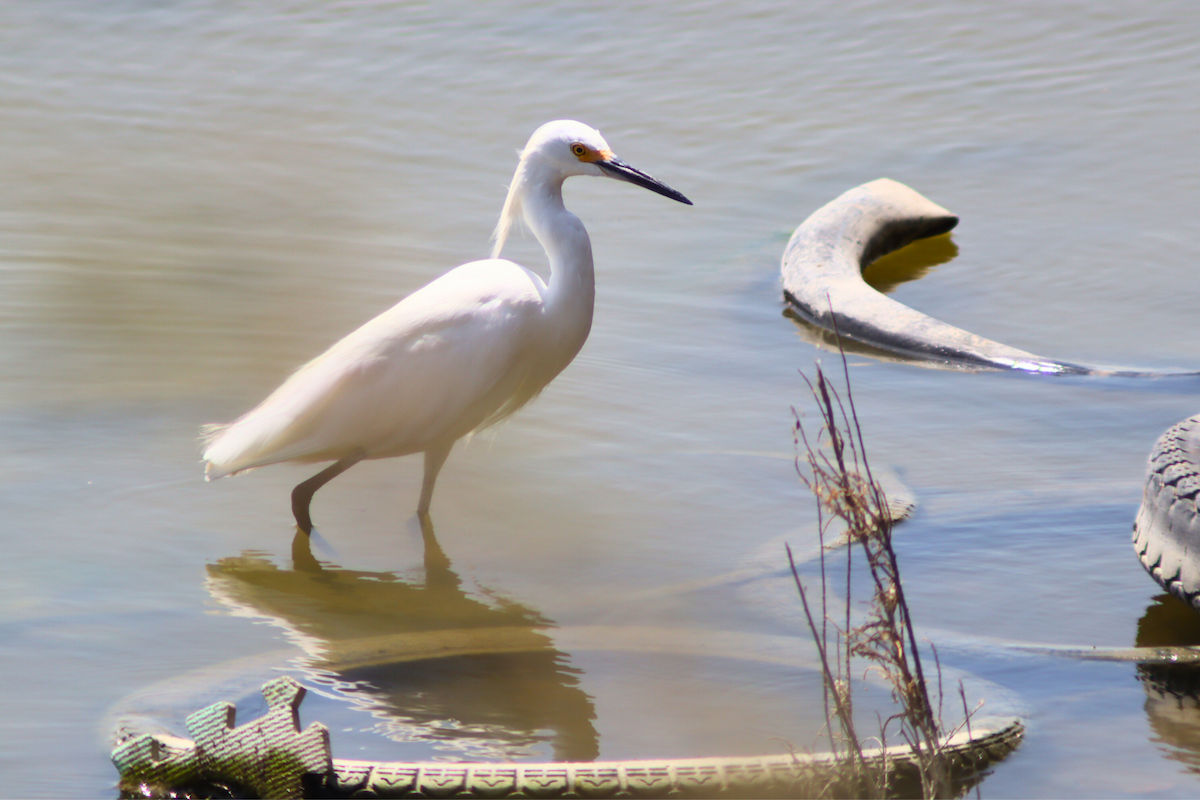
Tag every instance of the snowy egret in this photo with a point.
(465, 351)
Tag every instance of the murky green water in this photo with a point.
(195, 198)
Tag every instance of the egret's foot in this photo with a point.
(302, 495)
(300, 512)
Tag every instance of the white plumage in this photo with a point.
(465, 351)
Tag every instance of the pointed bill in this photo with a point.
(616, 168)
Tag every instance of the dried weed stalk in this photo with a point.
(835, 469)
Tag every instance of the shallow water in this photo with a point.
(199, 197)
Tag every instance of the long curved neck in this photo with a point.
(568, 248)
(536, 194)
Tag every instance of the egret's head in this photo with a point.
(577, 149)
(558, 150)
(566, 147)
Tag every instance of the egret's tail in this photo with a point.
(233, 448)
(210, 438)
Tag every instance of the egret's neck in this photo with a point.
(568, 248)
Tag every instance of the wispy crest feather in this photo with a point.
(511, 210)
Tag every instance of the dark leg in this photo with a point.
(435, 456)
(303, 493)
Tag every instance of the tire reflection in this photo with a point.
(1172, 690)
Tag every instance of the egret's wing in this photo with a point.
(437, 364)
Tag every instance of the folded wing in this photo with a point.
(456, 355)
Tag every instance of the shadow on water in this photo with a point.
(426, 659)
(1172, 690)
(909, 263)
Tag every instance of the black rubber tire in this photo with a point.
(1166, 532)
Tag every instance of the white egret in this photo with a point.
(465, 351)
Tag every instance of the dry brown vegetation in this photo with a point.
(834, 466)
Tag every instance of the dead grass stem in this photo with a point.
(834, 467)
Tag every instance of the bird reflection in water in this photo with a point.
(1172, 690)
(430, 662)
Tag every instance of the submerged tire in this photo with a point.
(1166, 532)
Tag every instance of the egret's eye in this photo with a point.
(579, 150)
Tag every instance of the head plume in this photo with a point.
(547, 158)
(511, 210)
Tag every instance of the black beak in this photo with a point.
(617, 168)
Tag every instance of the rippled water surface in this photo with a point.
(197, 197)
